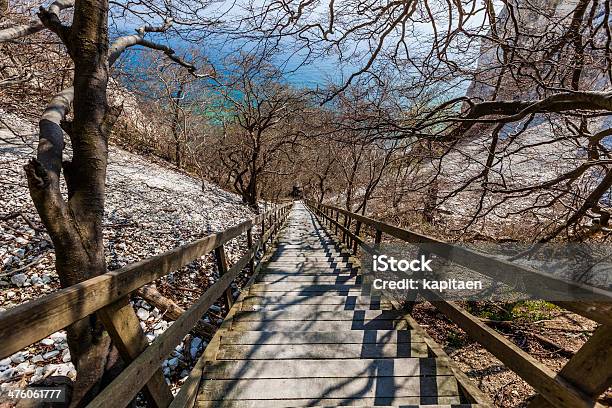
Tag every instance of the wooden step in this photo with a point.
(300, 287)
(306, 263)
(307, 333)
(332, 368)
(313, 299)
(330, 337)
(320, 325)
(315, 388)
(312, 279)
(320, 254)
(296, 294)
(311, 244)
(300, 308)
(296, 269)
(344, 315)
(407, 406)
(320, 272)
(404, 402)
(322, 351)
(306, 251)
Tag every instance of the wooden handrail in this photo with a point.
(575, 389)
(498, 269)
(131, 380)
(106, 295)
(32, 321)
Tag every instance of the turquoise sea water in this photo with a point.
(315, 72)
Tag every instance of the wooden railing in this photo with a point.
(107, 295)
(584, 378)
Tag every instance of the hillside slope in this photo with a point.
(150, 208)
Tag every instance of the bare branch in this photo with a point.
(51, 14)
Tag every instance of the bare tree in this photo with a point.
(259, 126)
(502, 75)
(174, 99)
(74, 223)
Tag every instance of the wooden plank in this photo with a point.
(32, 321)
(597, 311)
(314, 388)
(311, 253)
(323, 325)
(332, 368)
(540, 377)
(295, 295)
(338, 402)
(311, 299)
(323, 265)
(331, 337)
(355, 242)
(321, 256)
(308, 256)
(321, 351)
(276, 272)
(345, 279)
(289, 287)
(297, 269)
(590, 370)
(344, 315)
(123, 326)
(402, 404)
(309, 309)
(249, 246)
(309, 244)
(308, 253)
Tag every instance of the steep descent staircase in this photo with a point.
(310, 333)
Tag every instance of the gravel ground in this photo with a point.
(150, 208)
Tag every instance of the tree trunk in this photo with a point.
(431, 202)
(321, 189)
(177, 154)
(176, 132)
(252, 192)
(75, 224)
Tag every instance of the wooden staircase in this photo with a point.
(310, 333)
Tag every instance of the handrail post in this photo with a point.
(378, 237)
(263, 232)
(275, 222)
(357, 231)
(222, 267)
(270, 225)
(250, 246)
(336, 225)
(123, 326)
